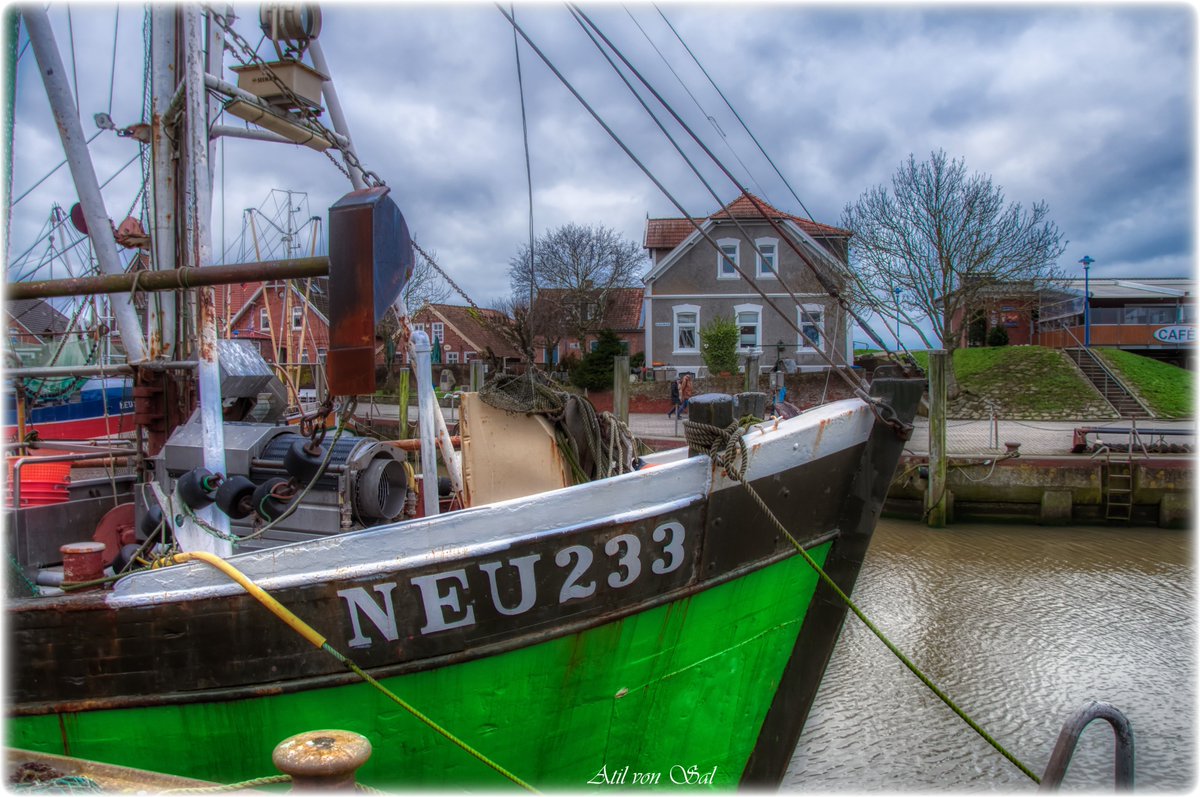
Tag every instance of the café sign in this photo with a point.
(1179, 333)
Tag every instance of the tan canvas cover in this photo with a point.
(507, 454)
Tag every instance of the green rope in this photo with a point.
(245, 784)
(466, 748)
(312, 636)
(725, 456)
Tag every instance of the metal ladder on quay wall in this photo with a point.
(1118, 477)
(1118, 487)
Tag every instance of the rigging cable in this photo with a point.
(707, 115)
(753, 244)
(798, 327)
(61, 163)
(734, 112)
(112, 74)
(809, 241)
(858, 386)
(528, 168)
(74, 73)
(875, 306)
(864, 291)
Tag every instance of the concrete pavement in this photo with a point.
(967, 437)
(963, 437)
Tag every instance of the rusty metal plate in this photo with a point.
(370, 259)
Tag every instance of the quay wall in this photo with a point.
(1050, 490)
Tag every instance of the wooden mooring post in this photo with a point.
(621, 387)
(936, 492)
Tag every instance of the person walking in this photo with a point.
(675, 405)
(685, 392)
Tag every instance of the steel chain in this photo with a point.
(446, 277)
(369, 177)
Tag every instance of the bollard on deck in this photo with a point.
(322, 760)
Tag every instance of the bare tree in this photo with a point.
(945, 240)
(424, 286)
(572, 275)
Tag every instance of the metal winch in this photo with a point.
(270, 467)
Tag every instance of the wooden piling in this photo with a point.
(621, 387)
(751, 383)
(936, 491)
(713, 409)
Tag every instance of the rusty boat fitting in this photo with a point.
(322, 760)
(370, 259)
(82, 561)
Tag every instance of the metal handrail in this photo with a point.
(1068, 738)
(38, 459)
(1109, 376)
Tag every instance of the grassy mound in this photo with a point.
(1021, 382)
(1168, 390)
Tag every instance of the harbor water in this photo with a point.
(1020, 625)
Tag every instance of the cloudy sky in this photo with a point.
(1088, 107)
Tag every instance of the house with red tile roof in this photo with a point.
(275, 315)
(619, 309)
(465, 334)
(692, 282)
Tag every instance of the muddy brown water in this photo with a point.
(1019, 625)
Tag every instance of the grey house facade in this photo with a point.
(690, 283)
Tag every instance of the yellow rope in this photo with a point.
(318, 641)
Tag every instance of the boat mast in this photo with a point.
(66, 117)
(162, 309)
(197, 252)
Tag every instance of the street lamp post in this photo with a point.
(1087, 301)
(897, 292)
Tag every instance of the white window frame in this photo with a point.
(676, 310)
(437, 332)
(759, 271)
(264, 319)
(801, 343)
(736, 243)
(758, 330)
(451, 357)
(297, 318)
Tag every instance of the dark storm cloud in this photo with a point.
(1087, 107)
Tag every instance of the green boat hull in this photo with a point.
(626, 703)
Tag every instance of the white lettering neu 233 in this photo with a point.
(445, 596)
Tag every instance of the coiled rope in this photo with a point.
(727, 449)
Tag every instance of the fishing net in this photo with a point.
(596, 445)
(36, 776)
(64, 353)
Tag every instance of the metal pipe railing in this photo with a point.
(21, 461)
(1068, 738)
(172, 279)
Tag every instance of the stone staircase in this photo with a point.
(1114, 392)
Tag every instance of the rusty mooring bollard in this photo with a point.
(322, 760)
(82, 561)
